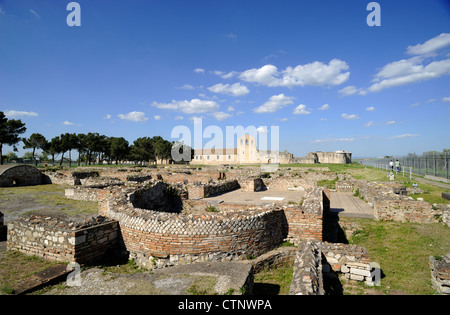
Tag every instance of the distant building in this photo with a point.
(337, 157)
(247, 153)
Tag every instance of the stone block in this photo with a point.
(345, 269)
(356, 277)
(356, 271)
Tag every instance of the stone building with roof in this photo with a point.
(19, 175)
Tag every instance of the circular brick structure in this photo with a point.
(158, 238)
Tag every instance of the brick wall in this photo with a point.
(158, 239)
(60, 240)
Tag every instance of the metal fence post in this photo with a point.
(434, 171)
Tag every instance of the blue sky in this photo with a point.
(313, 68)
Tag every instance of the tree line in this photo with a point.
(90, 146)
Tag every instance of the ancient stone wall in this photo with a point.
(440, 273)
(391, 206)
(405, 210)
(86, 193)
(157, 239)
(61, 240)
(19, 175)
(316, 262)
(206, 190)
(307, 278)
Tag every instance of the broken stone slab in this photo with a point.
(42, 278)
(357, 265)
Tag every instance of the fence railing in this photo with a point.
(435, 165)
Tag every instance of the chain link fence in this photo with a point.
(434, 165)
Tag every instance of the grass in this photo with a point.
(274, 281)
(51, 196)
(16, 266)
(330, 184)
(403, 250)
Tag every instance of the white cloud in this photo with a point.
(342, 139)
(157, 117)
(334, 140)
(350, 117)
(199, 70)
(406, 135)
(283, 119)
(301, 110)
(179, 118)
(187, 87)
(231, 36)
(415, 104)
(275, 103)
(351, 90)
(264, 75)
(446, 99)
(107, 116)
(194, 106)
(315, 74)
(230, 109)
(262, 130)
(221, 115)
(133, 116)
(68, 123)
(324, 107)
(19, 113)
(412, 70)
(391, 122)
(430, 46)
(370, 109)
(408, 71)
(224, 75)
(235, 89)
(36, 15)
(369, 124)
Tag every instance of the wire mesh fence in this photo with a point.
(434, 165)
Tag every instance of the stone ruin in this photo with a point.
(390, 201)
(20, 175)
(159, 219)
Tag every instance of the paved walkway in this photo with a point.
(432, 182)
(258, 198)
(346, 205)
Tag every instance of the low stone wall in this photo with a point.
(307, 278)
(445, 214)
(275, 258)
(206, 190)
(86, 193)
(440, 273)
(61, 240)
(352, 261)
(397, 207)
(405, 210)
(252, 184)
(317, 261)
